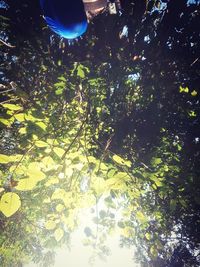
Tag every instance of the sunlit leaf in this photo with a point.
(58, 194)
(121, 161)
(156, 161)
(141, 217)
(10, 203)
(183, 89)
(58, 234)
(20, 117)
(26, 184)
(8, 159)
(41, 144)
(194, 93)
(5, 159)
(23, 130)
(52, 181)
(127, 232)
(59, 151)
(5, 122)
(60, 208)
(41, 124)
(99, 186)
(48, 163)
(148, 236)
(80, 71)
(50, 225)
(153, 251)
(12, 107)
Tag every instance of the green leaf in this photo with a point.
(26, 184)
(80, 71)
(153, 251)
(41, 144)
(5, 122)
(4, 159)
(60, 207)
(148, 236)
(20, 117)
(62, 78)
(194, 93)
(34, 172)
(59, 91)
(183, 89)
(58, 194)
(42, 125)
(12, 107)
(59, 151)
(58, 234)
(156, 161)
(121, 161)
(141, 217)
(173, 204)
(156, 180)
(52, 181)
(9, 204)
(50, 225)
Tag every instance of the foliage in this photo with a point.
(80, 128)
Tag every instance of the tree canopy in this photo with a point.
(112, 118)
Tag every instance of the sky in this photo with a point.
(79, 255)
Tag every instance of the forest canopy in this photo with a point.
(112, 118)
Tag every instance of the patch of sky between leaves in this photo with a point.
(193, 2)
(3, 5)
(134, 77)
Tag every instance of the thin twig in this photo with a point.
(6, 44)
(73, 141)
(194, 62)
(9, 100)
(2, 92)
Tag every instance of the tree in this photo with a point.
(80, 127)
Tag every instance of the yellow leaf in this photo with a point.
(5, 122)
(41, 144)
(34, 172)
(10, 203)
(121, 161)
(59, 151)
(153, 251)
(42, 125)
(58, 194)
(47, 200)
(48, 163)
(183, 90)
(23, 130)
(4, 159)
(194, 93)
(148, 236)
(99, 185)
(58, 234)
(12, 107)
(19, 117)
(60, 207)
(7, 159)
(141, 217)
(50, 225)
(26, 184)
(52, 181)
(127, 232)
